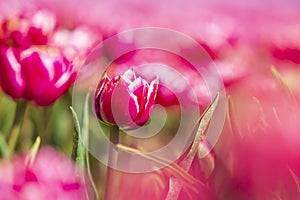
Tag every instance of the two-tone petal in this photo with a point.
(40, 75)
(125, 100)
(11, 80)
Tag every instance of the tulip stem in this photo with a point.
(114, 134)
(111, 176)
(15, 130)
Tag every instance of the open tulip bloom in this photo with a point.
(125, 100)
(40, 75)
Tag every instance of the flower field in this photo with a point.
(166, 100)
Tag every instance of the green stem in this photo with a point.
(111, 176)
(114, 134)
(89, 172)
(46, 119)
(15, 130)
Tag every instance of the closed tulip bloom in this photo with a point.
(40, 75)
(125, 100)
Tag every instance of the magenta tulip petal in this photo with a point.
(10, 77)
(151, 96)
(103, 82)
(36, 74)
(59, 69)
(54, 92)
(141, 95)
(105, 102)
(36, 36)
(18, 39)
(124, 104)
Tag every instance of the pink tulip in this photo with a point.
(75, 44)
(179, 82)
(26, 30)
(40, 75)
(126, 100)
(50, 176)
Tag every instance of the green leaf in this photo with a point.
(76, 121)
(85, 118)
(75, 135)
(203, 124)
(7, 105)
(33, 151)
(83, 134)
(4, 147)
(80, 153)
(175, 184)
(16, 128)
(96, 195)
(170, 169)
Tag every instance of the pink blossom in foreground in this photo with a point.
(125, 100)
(50, 176)
(40, 75)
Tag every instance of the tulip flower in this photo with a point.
(35, 74)
(76, 43)
(24, 31)
(125, 100)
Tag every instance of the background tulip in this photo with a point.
(26, 30)
(40, 75)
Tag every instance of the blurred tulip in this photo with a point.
(76, 43)
(181, 86)
(50, 176)
(24, 31)
(126, 100)
(40, 75)
(179, 82)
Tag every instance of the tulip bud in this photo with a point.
(125, 100)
